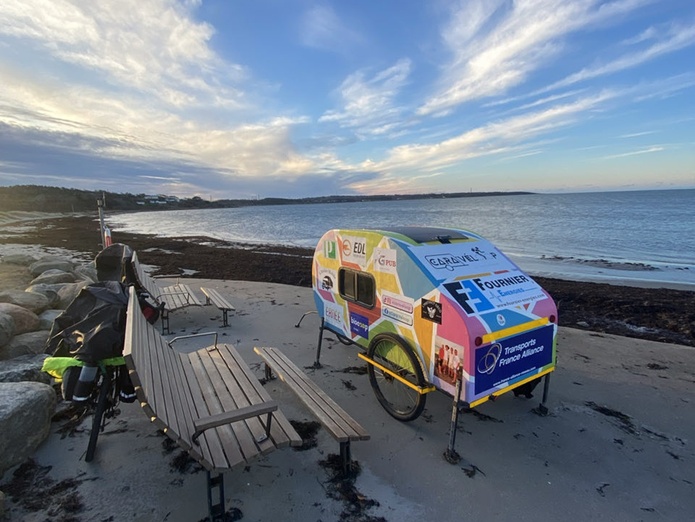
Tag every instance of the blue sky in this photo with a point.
(282, 98)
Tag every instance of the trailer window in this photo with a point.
(357, 286)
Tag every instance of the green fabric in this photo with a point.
(56, 366)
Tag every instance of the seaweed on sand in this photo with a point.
(341, 486)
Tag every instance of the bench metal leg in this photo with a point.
(345, 456)
(164, 318)
(216, 511)
(224, 318)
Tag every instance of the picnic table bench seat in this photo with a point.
(169, 298)
(335, 419)
(212, 296)
(208, 401)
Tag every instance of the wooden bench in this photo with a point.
(214, 297)
(207, 401)
(336, 420)
(169, 298)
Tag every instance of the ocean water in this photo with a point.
(639, 237)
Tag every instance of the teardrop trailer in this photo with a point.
(434, 309)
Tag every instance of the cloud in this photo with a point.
(368, 104)
(496, 45)
(411, 161)
(647, 150)
(673, 38)
(322, 29)
(152, 47)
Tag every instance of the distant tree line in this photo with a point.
(36, 198)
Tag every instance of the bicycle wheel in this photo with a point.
(398, 399)
(102, 404)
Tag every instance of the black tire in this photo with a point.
(102, 403)
(399, 400)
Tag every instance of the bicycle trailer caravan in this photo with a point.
(434, 309)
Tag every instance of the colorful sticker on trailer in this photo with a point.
(496, 291)
(505, 360)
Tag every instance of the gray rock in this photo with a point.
(68, 292)
(18, 259)
(51, 277)
(6, 328)
(86, 273)
(26, 409)
(24, 368)
(28, 343)
(47, 317)
(24, 320)
(51, 263)
(50, 291)
(2, 505)
(33, 301)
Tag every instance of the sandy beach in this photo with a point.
(617, 445)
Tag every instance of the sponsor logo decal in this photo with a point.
(326, 279)
(359, 325)
(482, 294)
(397, 315)
(333, 315)
(400, 302)
(453, 261)
(385, 260)
(329, 249)
(510, 358)
(354, 248)
(431, 310)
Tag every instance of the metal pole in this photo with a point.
(317, 364)
(101, 203)
(450, 455)
(542, 408)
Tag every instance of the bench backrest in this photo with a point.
(144, 279)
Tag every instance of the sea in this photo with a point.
(640, 238)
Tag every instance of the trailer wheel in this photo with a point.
(399, 400)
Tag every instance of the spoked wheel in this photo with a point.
(398, 399)
(105, 389)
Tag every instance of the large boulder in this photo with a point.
(47, 318)
(24, 368)
(33, 301)
(18, 259)
(86, 273)
(6, 328)
(51, 263)
(68, 292)
(50, 291)
(28, 343)
(24, 320)
(26, 409)
(52, 277)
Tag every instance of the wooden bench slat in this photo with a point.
(341, 425)
(321, 408)
(229, 397)
(282, 431)
(209, 442)
(217, 299)
(210, 406)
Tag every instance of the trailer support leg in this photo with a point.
(450, 455)
(542, 408)
(317, 363)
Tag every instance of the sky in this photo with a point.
(292, 98)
